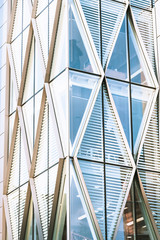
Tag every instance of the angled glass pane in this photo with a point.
(17, 28)
(42, 26)
(29, 81)
(80, 222)
(117, 180)
(59, 91)
(15, 165)
(24, 175)
(11, 125)
(126, 226)
(31, 228)
(93, 174)
(91, 11)
(92, 144)
(118, 64)
(115, 148)
(41, 185)
(137, 64)
(120, 93)
(150, 154)
(78, 57)
(59, 62)
(16, 47)
(141, 100)
(38, 75)
(151, 185)
(141, 220)
(13, 204)
(112, 13)
(42, 154)
(81, 86)
(28, 119)
(12, 97)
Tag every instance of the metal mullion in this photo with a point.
(104, 165)
(129, 83)
(131, 124)
(81, 71)
(48, 167)
(20, 139)
(133, 83)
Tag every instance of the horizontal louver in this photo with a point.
(45, 186)
(144, 21)
(42, 154)
(93, 174)
(112, 13)
(115, 149)
(92, 15)
(150, 154)
(14, 172)
(147, 4)
(151, 184)
(47, 154)
(92, 143)
(13, 204)
(16, 203)
(117, 180)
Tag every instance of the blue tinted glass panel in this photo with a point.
(117, 67)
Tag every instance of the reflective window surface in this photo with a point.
(117, 67)
(131, 99)
(80, 90)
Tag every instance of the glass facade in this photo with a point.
(82, 150)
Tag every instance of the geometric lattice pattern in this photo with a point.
(71, 165)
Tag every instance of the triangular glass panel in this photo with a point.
(29, 81)
(60, 90)
(111, 13)
(118, 64)
(140, 101)
(115, 148)
(81, 226)
(91, 11)
(126, 227)
(120, 94)
(81, 89)
(11, 125)
(150, 154)
(16, 203)
(31, 227)
(138, 67)
(141, 98)
(12, 97)
(44, 21)
(144, 21)
(151, 183)
(17, 26)
(117, 181)
(45, 186)
(19, 171)
(18, 48)
(47, 154)
(92, 143)
(59, 62)
(93, 174)
(34, 79)
(79, 57)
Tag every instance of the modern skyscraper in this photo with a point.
(79, 119)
